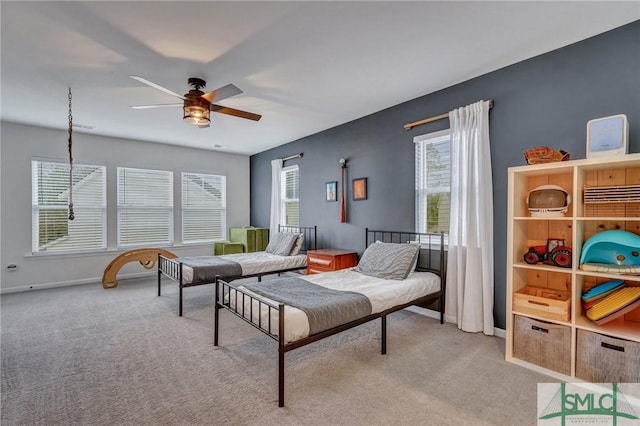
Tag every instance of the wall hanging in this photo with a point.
(343, 211)
(331, 191)
(359, 189)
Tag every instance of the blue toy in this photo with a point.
(602, 290)
(615, 247)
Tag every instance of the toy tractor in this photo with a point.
(553, 253)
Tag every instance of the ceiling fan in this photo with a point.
(196, 104)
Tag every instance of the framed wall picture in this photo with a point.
(331, 191)
(359, 189)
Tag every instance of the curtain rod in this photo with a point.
(291, 157)
(413, 124)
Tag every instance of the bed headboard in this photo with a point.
(310, 235)
(432, 256)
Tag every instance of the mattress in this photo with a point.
(255, 263)
(383, 294)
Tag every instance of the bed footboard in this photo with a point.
(261, 314)
(173, 269)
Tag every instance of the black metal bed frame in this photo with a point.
(172, 268)
(226, 292)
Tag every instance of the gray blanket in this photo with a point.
(325, 308)
(205, 268)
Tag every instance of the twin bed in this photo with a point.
(200, 270)
(397, 270)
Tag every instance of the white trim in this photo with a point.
(112, 251)
(95, 280)
(497, 332)
(441, 134)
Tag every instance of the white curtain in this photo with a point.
(276, 199)
(469, 292)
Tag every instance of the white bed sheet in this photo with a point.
(259, 262)
(383, 294)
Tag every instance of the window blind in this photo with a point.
(204, 207)
(433, 181)
(145, 207)
(291, 196)
(52, 231)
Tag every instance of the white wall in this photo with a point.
(20, 143)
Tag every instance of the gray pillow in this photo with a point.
(297, 246)
(388, 260)
(281, 243)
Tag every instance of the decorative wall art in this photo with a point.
(359, 189)
(331, 191)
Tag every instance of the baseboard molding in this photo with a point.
(96, 280)
(498, 332)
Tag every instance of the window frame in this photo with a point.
(283, 194)
(223, 209)
(422, 190)
(36, 207)
(169, 209)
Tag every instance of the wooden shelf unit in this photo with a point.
(580, 222)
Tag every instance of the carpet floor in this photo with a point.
(84, 355)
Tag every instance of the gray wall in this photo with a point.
(21, 143)
(546, 100)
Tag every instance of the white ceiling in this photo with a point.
(305, 66)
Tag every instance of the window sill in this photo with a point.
(109, 252)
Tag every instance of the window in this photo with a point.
(433, 181)
(204, 207)
(52, 229)
(291, 196)
(145, 207)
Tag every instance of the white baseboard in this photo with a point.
(498, 332)
(85, 281)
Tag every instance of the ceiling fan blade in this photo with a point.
(156, 106)
(221, 93)
(236, 112)
(156, 86)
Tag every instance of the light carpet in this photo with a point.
(84, 355)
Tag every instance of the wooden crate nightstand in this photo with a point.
(326, 260)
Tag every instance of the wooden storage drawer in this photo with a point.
(605, 359)
(548, 303)
(545, 344)
(327, 260)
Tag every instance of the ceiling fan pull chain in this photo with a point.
(71, 215)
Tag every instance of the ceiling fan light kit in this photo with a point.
(197, 105)
(196, 108)
(196, 112)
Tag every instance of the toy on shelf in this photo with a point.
(545, 154)
(615, 305)
(600, 291)
(548, 201)
(553, 253)
(617, 248)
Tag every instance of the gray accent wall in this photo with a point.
(546, 100)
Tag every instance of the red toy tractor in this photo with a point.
(554, 253)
